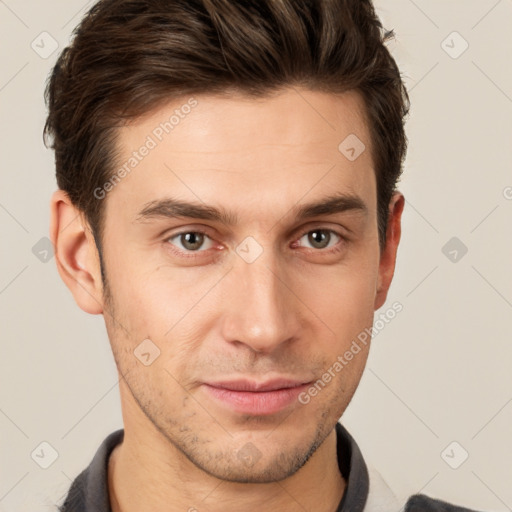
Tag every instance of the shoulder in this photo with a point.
(89, 490)
(76, 498)
(382, 499)
(422, 503)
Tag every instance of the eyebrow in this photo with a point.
(171, 208)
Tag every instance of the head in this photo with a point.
(227, 183)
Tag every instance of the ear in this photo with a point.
(388, 253)
(76, 253)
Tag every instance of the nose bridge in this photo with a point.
(260, 313)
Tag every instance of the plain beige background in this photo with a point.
(439, 373)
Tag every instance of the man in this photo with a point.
(227, 201)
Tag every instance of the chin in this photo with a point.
(249, 465)
(238, 472)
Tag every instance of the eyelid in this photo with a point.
(341, 231)
(171, 233)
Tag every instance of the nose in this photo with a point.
(261, 310)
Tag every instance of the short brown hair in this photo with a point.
(128, 56)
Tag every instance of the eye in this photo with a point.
(191, 241)
(320, 238)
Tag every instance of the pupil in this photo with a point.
(319, 239)
(192, 240)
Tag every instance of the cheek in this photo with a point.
(342, 296)
(165, 305)
(146, 293)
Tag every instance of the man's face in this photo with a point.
(250, 310)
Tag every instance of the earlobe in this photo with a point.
(76, 253)
(388, 253)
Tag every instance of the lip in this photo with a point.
(256, 398)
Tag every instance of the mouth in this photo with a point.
(256, 398)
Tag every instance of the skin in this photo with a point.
(214, 316)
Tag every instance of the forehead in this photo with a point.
(246, 153)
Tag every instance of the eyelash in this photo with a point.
(197, 254)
